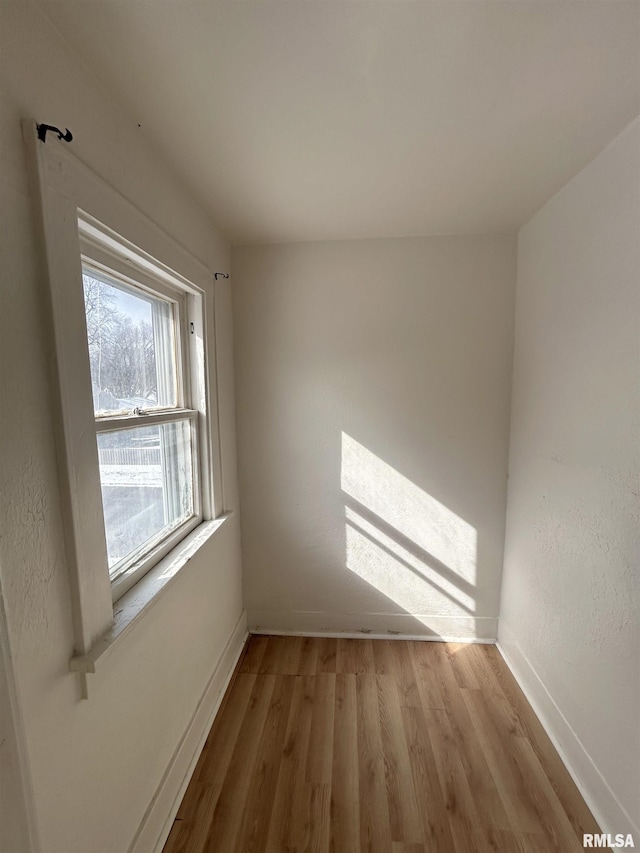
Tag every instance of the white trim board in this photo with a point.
(366, 635)
(603, 803)
(405, 626)
(158, 819)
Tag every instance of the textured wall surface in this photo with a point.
(95, 764)
(570, 598)
(15, 789)
(373, 382)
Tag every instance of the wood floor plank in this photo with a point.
(355, 656)
(404, 814)
(281, 656)
(375, 828)
(387, 746)
(308, 663)
(383, 657)
(553, 819)
(193, 832)
(286, 827)
(405, 674)
(479, 658)
(216, 755)
(557, 774)
(442, 673)
(175, 841)
(526, 804)
(190, 804)
(506, 841)
(271, 662)
(425, 664)
(327, 651)
(473, 829)
(256, 817)
(320, 751)
(317, 836)
(254, 653)
(345, 792)
(503, 712)
(464, 673)
(291, 658)
(475, 764)
(225, 823)
(433, 812)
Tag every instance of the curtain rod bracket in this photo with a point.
(218, 275)
(43, 129)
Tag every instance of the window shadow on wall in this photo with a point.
(403, 542)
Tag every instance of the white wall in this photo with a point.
(570, 599)
(372, 391)
(15, 788)
(95, 764)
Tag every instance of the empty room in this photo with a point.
(319, 458)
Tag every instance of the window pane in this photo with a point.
(131, 347)
(147, 487)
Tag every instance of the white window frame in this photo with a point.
(110, 263)
(83, 217)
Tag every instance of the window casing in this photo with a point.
(91, 230)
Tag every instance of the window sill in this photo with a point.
(141, 597)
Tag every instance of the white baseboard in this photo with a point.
(605, 807)
(158, 820)
(405, 626)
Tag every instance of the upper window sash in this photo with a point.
(167, 316)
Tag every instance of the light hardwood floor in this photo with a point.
(377, 745)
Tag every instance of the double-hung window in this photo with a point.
(147, 427)
(133, 321)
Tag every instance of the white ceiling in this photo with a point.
(311, 120)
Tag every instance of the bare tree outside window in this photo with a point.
(122, 351)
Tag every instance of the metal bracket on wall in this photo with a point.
(43, 129)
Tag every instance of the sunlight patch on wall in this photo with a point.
(417, 517)
(398, 573)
